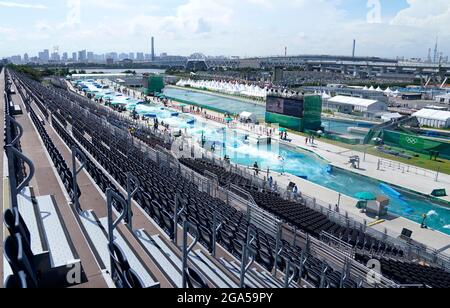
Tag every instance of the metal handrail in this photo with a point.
(75, 172)
(131, 193)
(12, 152)
(186, 250)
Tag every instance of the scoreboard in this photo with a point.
(293, 107)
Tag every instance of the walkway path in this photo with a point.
(3, 181)
(45, 182)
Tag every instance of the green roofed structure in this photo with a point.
(295, 112)
(153, 85)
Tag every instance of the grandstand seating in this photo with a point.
(83, 124)
(158, 186)
(295, 213)
(409, 273)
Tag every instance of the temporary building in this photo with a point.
(347, 104)
(433, 118)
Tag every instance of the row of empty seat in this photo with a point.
(38, 251)
(158, 184)
(411, 274)
(124, 259)
(295, 213)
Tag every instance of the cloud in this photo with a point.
(432, 15)
(22, 5)
(240, 27)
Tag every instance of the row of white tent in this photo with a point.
(256, 91)
(226, 87)
(387, 92)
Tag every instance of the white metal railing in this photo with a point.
(404, 168)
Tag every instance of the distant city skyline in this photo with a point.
(243, 28)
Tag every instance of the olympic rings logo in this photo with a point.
(411, 140)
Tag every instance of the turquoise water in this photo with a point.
(244, 150)
(231, 105)
(305, 164)
(341, 127)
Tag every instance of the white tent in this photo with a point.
(325, 95)
(356, 104)
(390, 116)
(371, 88)
(379, 89)
(247, 117)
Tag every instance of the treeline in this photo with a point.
(39, 74)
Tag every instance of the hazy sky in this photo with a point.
(226, 27)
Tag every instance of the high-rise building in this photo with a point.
(131, 55)
(65, 57)
(90, 56)
(44, 56)
(16, 59)
(55, 57)
(82, 56)
(153, 49)
(26, 58)
(114, 56)
(140, 56)
(74, 57)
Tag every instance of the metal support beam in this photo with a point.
(216, 229)
(245, 265)
(278, 249)
(131, 179)
(289, 278)
(176, 216)
(186, 250)
(112, 196)
(75, 172)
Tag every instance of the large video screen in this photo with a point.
(285, 106)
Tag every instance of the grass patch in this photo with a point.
(419, 160)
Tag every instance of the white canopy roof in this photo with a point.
(325, 95)
(246, 115)
(433, 114)
(354, 101)
(391, 116)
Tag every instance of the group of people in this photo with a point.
(284, 135)
(310, 140)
